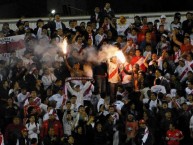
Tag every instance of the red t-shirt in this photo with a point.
(174, 136)
(186, 48)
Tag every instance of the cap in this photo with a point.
(141, 121)
(164, 35)
(163, 17)
(24, 129)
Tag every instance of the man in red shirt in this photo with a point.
(51, 123)
(139, 60)
(173, 135)
(186, 46)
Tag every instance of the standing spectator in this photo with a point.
(188, 23)
(144, 135)
(33, 127)
(108, 12)
(137, 23)
(51, 138)
(138, 59)
(4, 89)
(131, 129)
(176, 22)
(56, 24)
(146, 41)
(164, 23)
(122, 25)
(113, 77)
(163, 45)
(51, 125)
(68, 123)
(100, 37)
(99, 135)
(23, 140)
(186, 46)
(97, 16)
(182, 70)
(38, 31)
(48, 78)
(13, 131)
(11, 110)
(36, 99)
(173, 135)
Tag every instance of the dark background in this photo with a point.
(38, 8)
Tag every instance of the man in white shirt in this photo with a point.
(163, 22)
(182, 70)
(22, 97)
(77, 91)
(58, 97)
(154, 102)
(158, 88)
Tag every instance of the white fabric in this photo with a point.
(182, 70)
(158, 88)
(58, 98)
(154, 103)
(146, 133)
(33, 130)
(119, 104)
(80, 93)
(191, 123)
(47, 80)
(111, 68)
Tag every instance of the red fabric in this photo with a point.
(1, 139)
(11, 128)
(174, 136)
(140, 37)
(57, 128)
(186, 48)
(37, 109)
(135, 59)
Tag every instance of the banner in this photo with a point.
(11, 44)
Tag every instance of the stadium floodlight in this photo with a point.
(53, 11)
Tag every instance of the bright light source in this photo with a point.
(53, 11)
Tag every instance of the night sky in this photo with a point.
(38, 8)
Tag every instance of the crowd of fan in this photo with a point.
(54, 98)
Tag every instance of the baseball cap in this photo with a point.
(164, 35)
(142, 121)
(163, 17)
